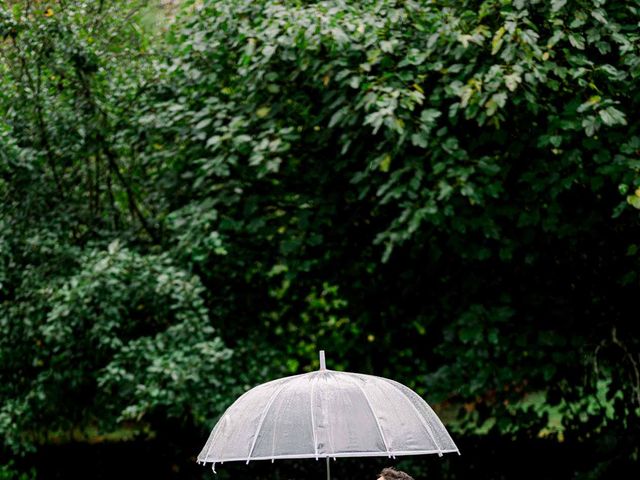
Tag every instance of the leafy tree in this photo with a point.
(92, 331)
(483, 151)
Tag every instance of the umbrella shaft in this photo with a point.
(328, 470)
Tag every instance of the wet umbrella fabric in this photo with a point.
(326, 414)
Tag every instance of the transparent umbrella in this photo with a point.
(326, 414)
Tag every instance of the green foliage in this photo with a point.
(8, 472)
(486, 140)
(94, 333)
(442, 192)
(124, 335)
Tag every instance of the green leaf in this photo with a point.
(429, 116)
(420, 139)
(634, 201)
(337, 117)
(594, 100)
(599, 15)
(511, 81)
(556, 5)
(576, 40)
(590, 125)
(203, 123)
(496, 43)
(612, 116)
(497, 100)
(385, 163)
(263, 112)
(555, 140)
(386, 46)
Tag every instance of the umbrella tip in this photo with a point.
(323, 365)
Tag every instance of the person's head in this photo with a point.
(391, 473)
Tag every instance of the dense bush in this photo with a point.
(442, 192)
(94, 332)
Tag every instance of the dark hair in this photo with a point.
(391, 473)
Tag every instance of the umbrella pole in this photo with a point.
(328, 470)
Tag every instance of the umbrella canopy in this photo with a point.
(326, 414)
